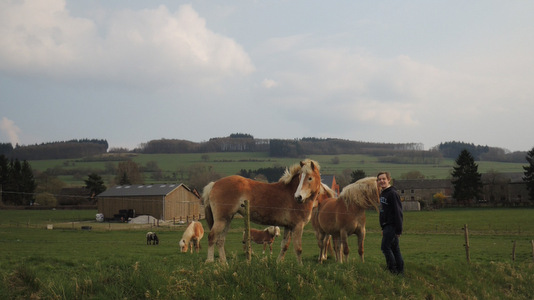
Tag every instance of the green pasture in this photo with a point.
(112, 260)
(229, 163)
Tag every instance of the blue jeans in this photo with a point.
(391, 250)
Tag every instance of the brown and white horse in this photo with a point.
(265, 237)
(287, 203)
(345, 215)
(192, 236)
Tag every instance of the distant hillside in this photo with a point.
(293, 148)
(56, 150)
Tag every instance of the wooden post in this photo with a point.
(248, 249)
(513, 251)
(466, 232)
(532, 243)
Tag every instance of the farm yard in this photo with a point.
(113, 261)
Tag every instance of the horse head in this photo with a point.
(183, 246)
(309, 181)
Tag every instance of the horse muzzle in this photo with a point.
(299, 199)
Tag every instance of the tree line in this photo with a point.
(56, 150)
(17, 184)
(239, 142)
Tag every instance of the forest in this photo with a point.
(294, 148)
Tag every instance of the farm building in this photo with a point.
(166, 202)
(330, 181)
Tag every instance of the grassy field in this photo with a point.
(232, 163)
(112, 261)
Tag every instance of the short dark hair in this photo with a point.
(388, 175)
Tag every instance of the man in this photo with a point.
(391, 218)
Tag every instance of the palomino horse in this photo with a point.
(192, 236)
(345, 215)
(287, 203)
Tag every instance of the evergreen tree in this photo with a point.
(94, 184)
(357, 175)
(529, 173)
(12, 193)
(4, 174)
(27, 184)
(466, 179)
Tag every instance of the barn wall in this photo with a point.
(181, 204)
(148, 205)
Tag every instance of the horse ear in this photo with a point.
(302, 163)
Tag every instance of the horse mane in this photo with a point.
(329, 192)
(305, 166)
(188, 233)
(272, 230)
(363, 193)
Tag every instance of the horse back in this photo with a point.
(198, 230)
(334, 215)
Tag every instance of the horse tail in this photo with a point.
(206, 201)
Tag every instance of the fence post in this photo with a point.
(513, 251)
(248, 249)
(466, 233)
(532, 243)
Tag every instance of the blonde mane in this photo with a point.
(328, 191)
(304, 166)
(273, 230)
(363, 193)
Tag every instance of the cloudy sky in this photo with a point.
(375, 71)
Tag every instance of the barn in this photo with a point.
(166, 202)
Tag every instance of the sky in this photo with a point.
(374, 71)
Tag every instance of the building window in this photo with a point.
(412, 191)
(402, 191)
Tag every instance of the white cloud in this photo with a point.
(144, 46)
(11, 130)
(269, 83)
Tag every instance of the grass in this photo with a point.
(112, 261)
(228, 163)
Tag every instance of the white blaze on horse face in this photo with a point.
(301, 194)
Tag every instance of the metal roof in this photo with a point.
(160, 189)
(327, 179)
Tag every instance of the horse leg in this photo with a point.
(264, 245)
(285, 244)
(297, 241)
(214, 238)
(345, 244)
(361, 239)
(221, 242)
(337, 247)
(321, 238)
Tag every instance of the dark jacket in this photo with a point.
(391, 209)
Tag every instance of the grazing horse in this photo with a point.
(152, 238)
(265, 237)
(345, 215)
(192, 236)
(287, 203)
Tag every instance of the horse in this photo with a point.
(326, 194)
(192, 236)
(152, 238)
(265, 236)
(287, 203)
(345, 215)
